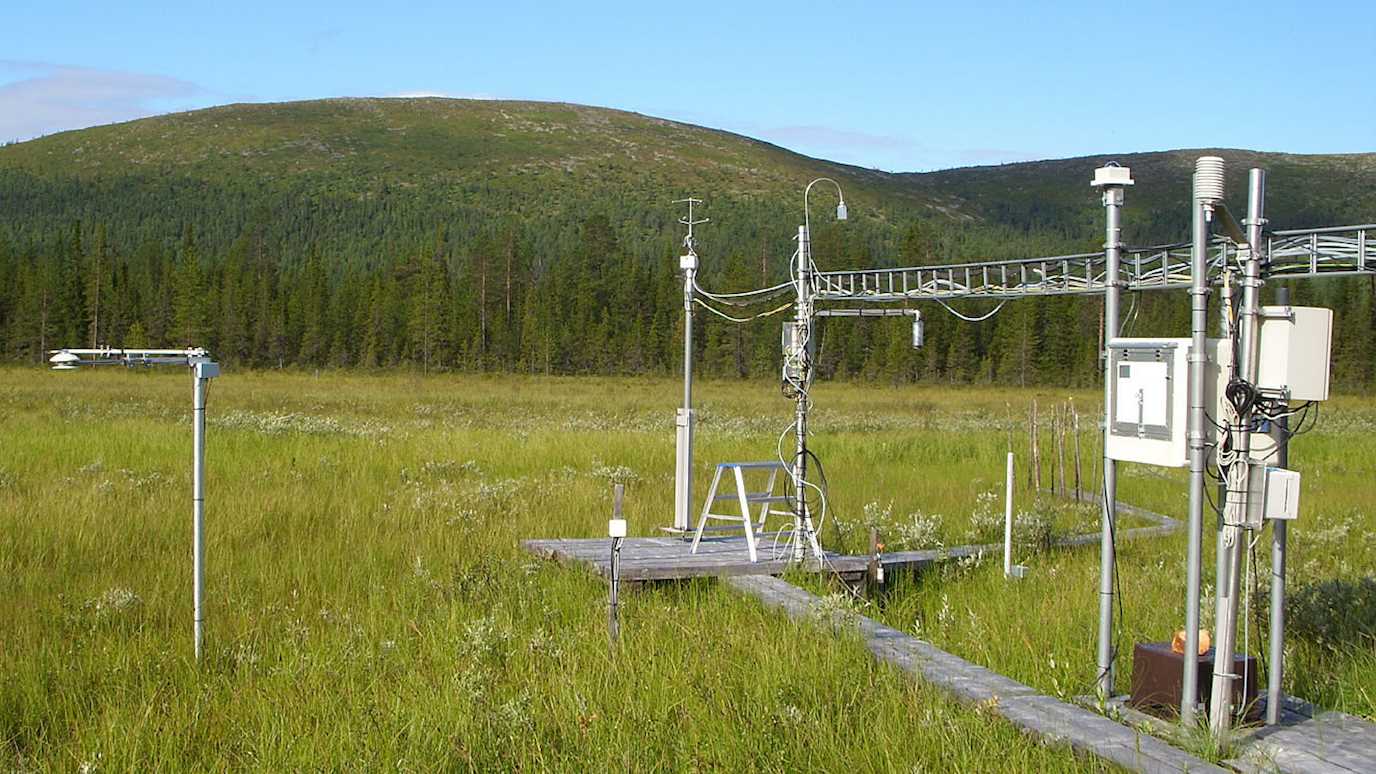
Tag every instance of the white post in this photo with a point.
(683, 422)
(683, 419)
(1008, 518)
(202, 372)
(198, 507)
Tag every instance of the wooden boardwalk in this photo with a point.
(1307, 740)
(1310, 740)
(1043, 716)
(670, 557)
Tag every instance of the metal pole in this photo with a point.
(613, 610)
(1199, 321)
(1234, 528)
(683, 471)
(800, 456)
(1008, 518)
(683, 422)
(1113, 202)
(802, 520)
(1274, 696)
(198, 508)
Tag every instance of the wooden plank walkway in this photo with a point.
(670, 557)
(1043, 716)
(1309, 739)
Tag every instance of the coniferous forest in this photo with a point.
(551, 261)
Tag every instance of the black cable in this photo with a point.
(1117, 579)
(1302, 430)
(1263, 642)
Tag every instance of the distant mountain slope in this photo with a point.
(532, 158)
(492, 235)
(1302, 190)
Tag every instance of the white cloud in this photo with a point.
(444, 94)
(42, 98)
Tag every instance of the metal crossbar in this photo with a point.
(1337, 251)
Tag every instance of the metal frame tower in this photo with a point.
(1194, 265)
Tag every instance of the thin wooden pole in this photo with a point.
(1061, 419)
(1075, 426)
(874, 572)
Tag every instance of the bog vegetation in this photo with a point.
(370, 607)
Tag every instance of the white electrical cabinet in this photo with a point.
(1274, 494)
(1295, 344)
(1150, 401)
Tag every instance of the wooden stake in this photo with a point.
(874, 571)
(1061, 415)
(1008, 408)
(1036, 466)
(1075, 426)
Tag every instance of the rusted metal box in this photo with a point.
(1158, 672)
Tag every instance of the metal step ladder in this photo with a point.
(745, 499)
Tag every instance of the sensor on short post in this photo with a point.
(616, 530)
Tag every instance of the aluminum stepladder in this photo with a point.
(745, 499)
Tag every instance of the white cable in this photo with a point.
(726, 316)
(1247, 616)
(991, 313)
(745, 294)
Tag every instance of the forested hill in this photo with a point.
(457, 234)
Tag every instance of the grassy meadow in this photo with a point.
(369, 606)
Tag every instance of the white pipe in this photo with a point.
(683, 468)
(1008, 518)
(198, 511)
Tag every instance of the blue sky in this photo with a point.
(900, 86)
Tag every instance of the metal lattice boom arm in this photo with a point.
(1292, 254)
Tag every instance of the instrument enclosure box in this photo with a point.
(1296, 347)
(1158, 674)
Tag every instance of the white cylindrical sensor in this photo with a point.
(1208, 179)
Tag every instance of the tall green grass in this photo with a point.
(369, 606)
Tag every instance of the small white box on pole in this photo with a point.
(1281, 497)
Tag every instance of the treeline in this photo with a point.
(504, 298)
